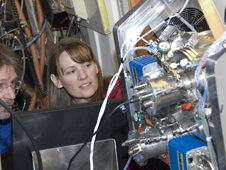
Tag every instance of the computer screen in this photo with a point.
(64, 126)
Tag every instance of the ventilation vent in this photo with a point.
(193, 16)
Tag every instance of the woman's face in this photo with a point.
(80, 80)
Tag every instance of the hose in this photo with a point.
(35, 64)
(42, 37)
(34, 38)
(42, 41)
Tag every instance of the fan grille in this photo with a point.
(193, 16)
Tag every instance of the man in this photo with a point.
(10, 72)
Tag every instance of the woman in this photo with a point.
(74, 75)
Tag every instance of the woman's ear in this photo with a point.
(97, 70)
(56, 81)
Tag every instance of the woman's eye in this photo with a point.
(71, 72)
(87, 65)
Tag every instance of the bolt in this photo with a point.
(58, 151)
(170, 55)
(79, 19)
(189, 154)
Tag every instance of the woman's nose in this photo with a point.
(82, 74)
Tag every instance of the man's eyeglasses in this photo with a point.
(15, 85)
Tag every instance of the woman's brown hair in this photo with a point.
(80, 52)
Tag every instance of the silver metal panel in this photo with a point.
(221, 92)
(105, 157)
(215, 68)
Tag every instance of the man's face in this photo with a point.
(7, 75)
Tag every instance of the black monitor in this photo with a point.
(66, 126)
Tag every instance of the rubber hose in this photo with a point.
(42, 51)
(42, 37)
(34, 57)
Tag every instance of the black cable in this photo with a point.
(70, 25)
(80, 149)
(77, 31)
(17, 118)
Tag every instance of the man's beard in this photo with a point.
(4, 114)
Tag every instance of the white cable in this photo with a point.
(111, 86)
(103, 106)
(150, 31)
(139, 38)
(24, 60)
(8, 32)
(179, 17)
(143, 40)
(180, 10)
